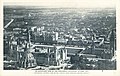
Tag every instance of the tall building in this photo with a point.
(54, 56)
(55, 36)
(112, 42)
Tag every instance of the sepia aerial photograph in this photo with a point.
(59, 37)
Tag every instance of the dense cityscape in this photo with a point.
(59, 38)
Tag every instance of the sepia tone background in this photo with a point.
(62, 3)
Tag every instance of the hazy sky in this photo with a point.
(63, 3)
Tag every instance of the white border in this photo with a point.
(70, 73)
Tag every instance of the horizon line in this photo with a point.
(61, 5)
(53, 6)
